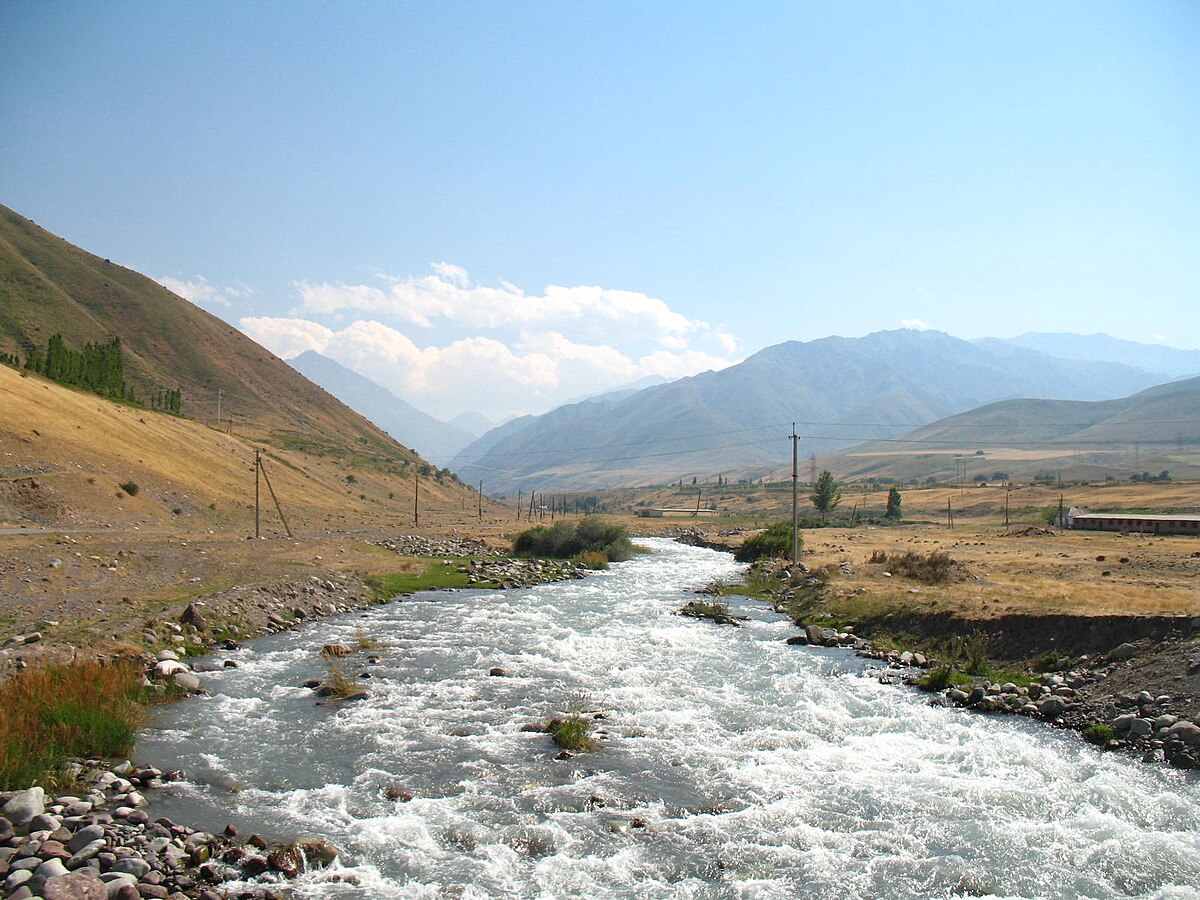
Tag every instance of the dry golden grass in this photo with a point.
(1040, 574)
(51, 713)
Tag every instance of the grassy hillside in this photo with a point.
(48, 285)
(1153, 430)
(68, 458)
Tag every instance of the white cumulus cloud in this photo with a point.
(914, 323)
(537, 371)
(449, 297)
(200, 291)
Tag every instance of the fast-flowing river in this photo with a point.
(758, 769)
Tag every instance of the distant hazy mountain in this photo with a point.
(1103, 348)
(838, 391)
(435, 440)
(473, 423)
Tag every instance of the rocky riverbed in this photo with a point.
(1081, 698)
(100, 843)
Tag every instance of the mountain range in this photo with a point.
(838, 392)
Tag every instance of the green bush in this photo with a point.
(774, 542)
(937, 680)
(564, 540)
(1100, 735)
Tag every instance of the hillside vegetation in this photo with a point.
(49, 286)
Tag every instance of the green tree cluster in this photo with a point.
(564, 540)
(893, 504)
(774, 542)
(97, 367)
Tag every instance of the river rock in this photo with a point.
(815, 634)
(317, 852)
(24, 806)
(187, 681)
(285, 860)
(1140, 727)
(75, 886)
(168, 667)
(1052, 707)
(1188, 732)
(50, 868)
(85, 836)
(194, 617)
(131, 865)
(1122, 652)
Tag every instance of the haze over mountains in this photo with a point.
(435, 440)
(735, 422)
(1153, 430)
(1103, 348)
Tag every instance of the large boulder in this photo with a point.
(75, 886)
(24, 806)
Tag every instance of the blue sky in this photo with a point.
(501, 205)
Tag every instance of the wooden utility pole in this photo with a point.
(274, 499)
(519, 495)
(949, 514)
(416, 499)
(1007, 491)
(796, 496)
(481, 498)
(257, 468)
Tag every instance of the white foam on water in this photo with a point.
(758, 769)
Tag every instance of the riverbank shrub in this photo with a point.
(573, 733)
(591, 559)
(565, 540)
(50, 713)
(937, 680)
(932, 568)
(1100, 735)
(775, 541)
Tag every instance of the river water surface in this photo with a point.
(759, 769)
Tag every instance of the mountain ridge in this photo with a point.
(838, 391)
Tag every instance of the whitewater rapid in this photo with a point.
(733, 766)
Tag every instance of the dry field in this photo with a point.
(1002, 573)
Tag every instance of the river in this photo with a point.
(758, 769)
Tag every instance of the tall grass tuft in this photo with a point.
(51, 713)
(573, 733)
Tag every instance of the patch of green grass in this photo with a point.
(573, 733)
(437, 576)
(51, 713)
(704, 609)
(937, 679)
(1100, 735)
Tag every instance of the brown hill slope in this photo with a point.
(47, 285)
(65, 454)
